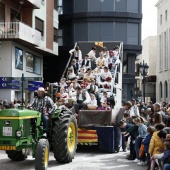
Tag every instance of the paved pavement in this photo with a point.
(86, 158)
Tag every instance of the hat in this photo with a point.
(41, 89)
(133, 99)
(74, 60)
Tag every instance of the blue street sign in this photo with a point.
(33, 85)
(10, 84)
(15, 83)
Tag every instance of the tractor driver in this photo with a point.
(44, 105)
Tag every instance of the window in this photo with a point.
(160, 89)
(121, 32)
(160, 53)
(107, 31)
(43, 2)
(2, 12)
(94, 31)
(80, 5)
(58, 5)
(80, 32)
(160, 19)
(33, 63)
(15, 15)
(55, 35)
(165, 51)
(39, 25)
(166, 15)
(166, 89)
(132, 34)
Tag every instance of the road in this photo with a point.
(86, 158)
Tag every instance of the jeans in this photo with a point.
(45, 122)
(166, 167)
(137, 146)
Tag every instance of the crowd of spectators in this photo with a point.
(147, 128)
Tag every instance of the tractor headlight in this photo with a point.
(18, 133)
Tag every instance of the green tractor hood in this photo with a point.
(18, 114)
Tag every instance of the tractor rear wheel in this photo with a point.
(17, 155)
(42, 155)
(65, 137)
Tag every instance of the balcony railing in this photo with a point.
(36, 3)
(19, 30)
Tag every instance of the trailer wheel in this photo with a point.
(65, 138)
(42, 155)
(17, 155)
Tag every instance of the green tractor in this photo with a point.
(21, 133)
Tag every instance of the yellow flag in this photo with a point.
(99, 44)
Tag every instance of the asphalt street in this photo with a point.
(86, 158)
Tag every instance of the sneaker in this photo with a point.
(141, 163)
(136, 161)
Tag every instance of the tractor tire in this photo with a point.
(42, 155)
(17, 155)
(64, 137)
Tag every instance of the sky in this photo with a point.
(149, 22)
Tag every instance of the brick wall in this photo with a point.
(49, 24)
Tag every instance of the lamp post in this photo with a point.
(143, 68)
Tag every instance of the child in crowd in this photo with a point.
(93, 101)
(103, 101)
(166, 155)
(146, 142)
(156, 145)
(142, 130)
(124, 127)
(133, 132)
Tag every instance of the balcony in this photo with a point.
(29, 3)
(19, 31)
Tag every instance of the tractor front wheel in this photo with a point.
(42, 155)
(65, 137)
(17, 155)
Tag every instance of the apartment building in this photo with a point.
(163, 51)
(27, 38)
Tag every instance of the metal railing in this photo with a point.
(19, 30)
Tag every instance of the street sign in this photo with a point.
(15, 82)
(12, 84)
(32, 78)
(32, 85)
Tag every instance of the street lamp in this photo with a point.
(143, 68)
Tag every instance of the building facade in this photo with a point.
(102, 20)
(27, 38)
(163, 51)
(149, 53)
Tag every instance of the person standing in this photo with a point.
(134, 111)
(118, 116)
